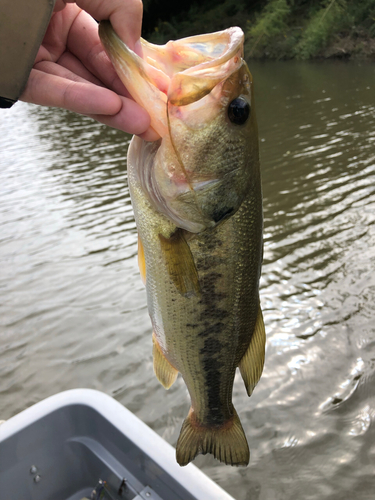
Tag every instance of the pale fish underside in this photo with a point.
(196, 195)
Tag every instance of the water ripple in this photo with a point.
(73, 309)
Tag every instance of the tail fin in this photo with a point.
(226, 443)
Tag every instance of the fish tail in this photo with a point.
(227, 442)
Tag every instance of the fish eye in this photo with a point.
(239, 111)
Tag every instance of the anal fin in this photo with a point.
(164, 371)
(180, 263)
(251, 364)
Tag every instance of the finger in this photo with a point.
(79, 96)
(88, 99)
(75, 67)
(56, 36)
(131, 119)
(150, 135)
(63, 71)
(125, 16)
(59, 5)
(83, 42)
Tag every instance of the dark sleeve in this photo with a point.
(22, 28)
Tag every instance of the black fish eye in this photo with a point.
(238, 111)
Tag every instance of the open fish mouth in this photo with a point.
(184, 70)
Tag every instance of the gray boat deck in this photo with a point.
(61, 447)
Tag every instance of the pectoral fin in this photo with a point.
(251, 365)
(180, 263)
(141, 260)
(164, 371)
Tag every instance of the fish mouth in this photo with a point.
(184, 85)
(179, 73)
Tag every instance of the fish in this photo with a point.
(197, 200)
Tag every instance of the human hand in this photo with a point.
(72, 70)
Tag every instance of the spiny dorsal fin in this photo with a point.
(251, 365)
(180, 263)
(141, 260)
(164, 371)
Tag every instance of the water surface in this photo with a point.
(73, 308)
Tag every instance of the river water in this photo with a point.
(73, 308)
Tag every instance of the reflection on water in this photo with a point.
(73, 308)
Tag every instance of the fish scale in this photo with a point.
(205, 352)
(197, 201)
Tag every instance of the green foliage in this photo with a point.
(362, 11)
(304, 28)
(269, 33)
(200, 19)
(277, 29)
(271, 21)
(362, 16)
(321, 27)
(334, 17)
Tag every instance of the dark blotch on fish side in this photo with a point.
(222, 213)
(211, 329)
(213, 322)
(211, 366)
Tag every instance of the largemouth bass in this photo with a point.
(196, 195)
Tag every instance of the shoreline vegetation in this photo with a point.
(274, 29)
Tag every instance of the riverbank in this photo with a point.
(346, 47)
(278, 29)
(360, 48)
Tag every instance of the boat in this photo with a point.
(83, 444)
